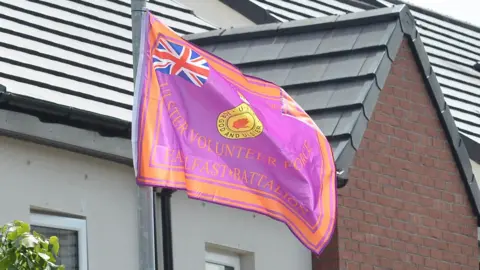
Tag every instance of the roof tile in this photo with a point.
(339, 39)
(349, 65)
(338, 146)
(348, 121)
(302, 44)
(371, 63)
(313, 97)
(276, 74)
(307, 71)
(232, 51)
(348, 93)
(328, 121)
(265, 49)
(375, 34)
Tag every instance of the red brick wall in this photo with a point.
(405, 206)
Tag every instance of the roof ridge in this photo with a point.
(300, 26)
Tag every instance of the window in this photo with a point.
(72, 235)
(221, 261)
(212, 266)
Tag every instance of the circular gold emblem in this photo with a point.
(240, 122)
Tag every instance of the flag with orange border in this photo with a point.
(201, 125)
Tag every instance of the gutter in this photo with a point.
(166, 210)
(50, 112)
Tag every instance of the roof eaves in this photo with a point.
(50, 112)
(20, 123)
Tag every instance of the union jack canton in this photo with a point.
(174, 59)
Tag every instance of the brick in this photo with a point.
(405, 206)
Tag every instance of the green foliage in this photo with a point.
(22, 250)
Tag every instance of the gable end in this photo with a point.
(456, 142)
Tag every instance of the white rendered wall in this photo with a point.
(105, 193)
(265, 243)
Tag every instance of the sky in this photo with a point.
(464, 10)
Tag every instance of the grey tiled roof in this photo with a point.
(334, 67)
(78, 53)
(453, 48)
(334, 73)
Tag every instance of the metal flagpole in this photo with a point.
(145, 195)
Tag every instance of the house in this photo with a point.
(365, 78)
(411, 200)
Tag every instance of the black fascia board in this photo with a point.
(50, 112)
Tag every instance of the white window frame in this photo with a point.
(65, 223)
(223, 258)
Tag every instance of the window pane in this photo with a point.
(68, 254)
(212, 266)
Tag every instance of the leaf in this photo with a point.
(55, 244)
(8, 225)
(21, 249)
(29, 241)
(12, 235)
(44, 256)
(22, 227)
(5, 262)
